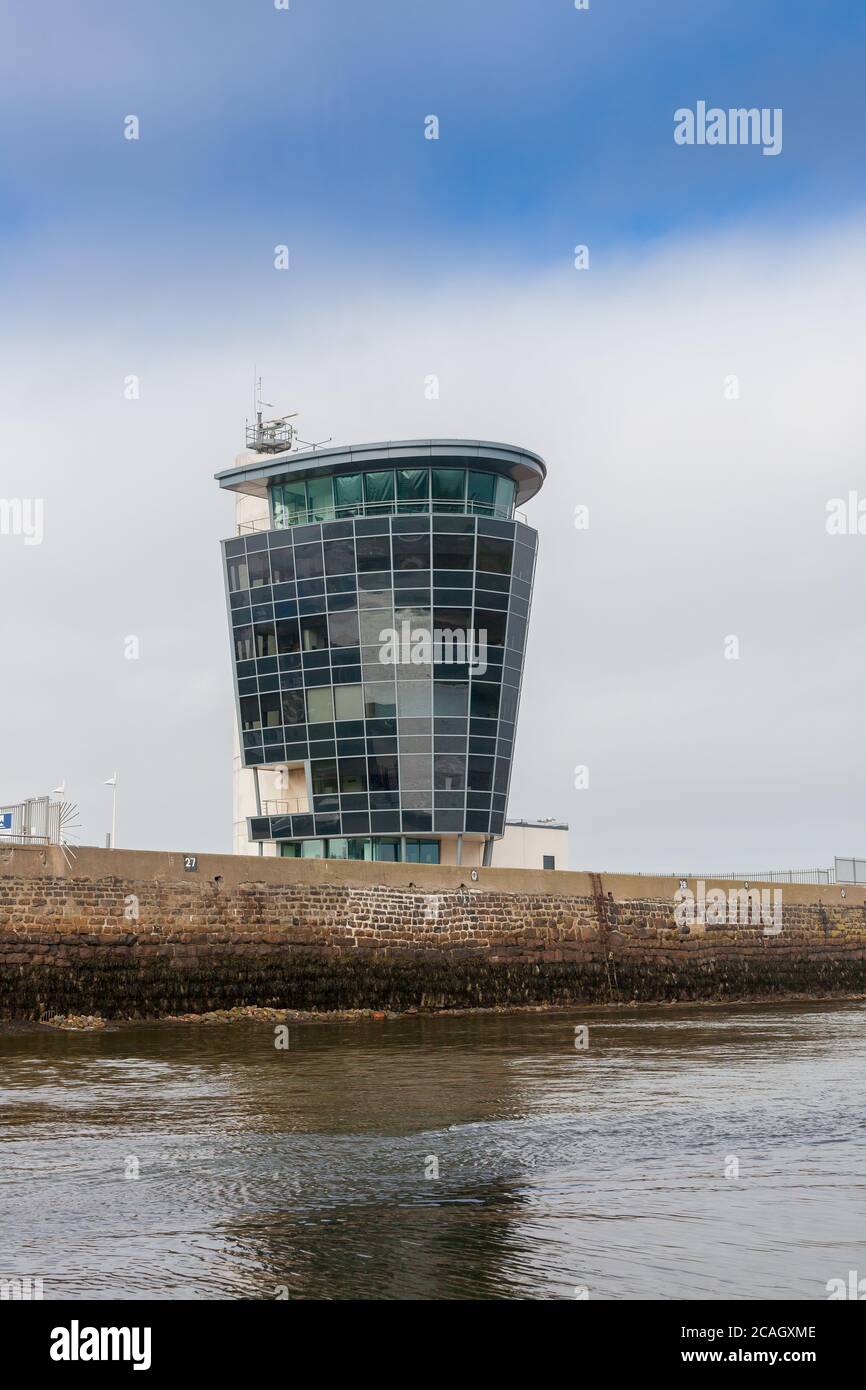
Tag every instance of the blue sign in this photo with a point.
(5, 820)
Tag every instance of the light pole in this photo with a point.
(112, 782)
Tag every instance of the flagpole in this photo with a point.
(112, 782)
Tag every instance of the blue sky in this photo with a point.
(306, 126)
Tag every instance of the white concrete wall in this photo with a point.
(524, 847)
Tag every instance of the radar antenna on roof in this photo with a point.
(274, 436)
(268, 436)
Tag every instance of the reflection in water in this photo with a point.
(261, 1170)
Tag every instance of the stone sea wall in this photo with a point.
(134, 933)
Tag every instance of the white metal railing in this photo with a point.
(289, 806)
(387, 509)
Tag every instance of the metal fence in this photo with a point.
(34, 822)
(766, 875)
(850, 870)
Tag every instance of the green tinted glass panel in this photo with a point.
(481, 492)
(379, 492)
(321, 498)
(312, 849)
(448, 485)
(387, 850)
(422, 851)
(290, 849)
(413, 489)
(347, 494)
(504, 497)
(360, 849)
(290, 504)
(338, 849)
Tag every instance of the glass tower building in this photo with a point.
(378, 618)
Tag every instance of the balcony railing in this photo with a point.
(289, 806)
(383, 508)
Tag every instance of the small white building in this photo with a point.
(532, 844)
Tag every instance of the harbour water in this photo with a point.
(697, 1153)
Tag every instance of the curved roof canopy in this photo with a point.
(254, 473)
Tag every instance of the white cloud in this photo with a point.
(707, 518)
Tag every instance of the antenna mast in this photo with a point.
(275, 436)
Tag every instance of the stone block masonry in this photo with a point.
(133, 934)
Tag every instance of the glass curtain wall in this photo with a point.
(381, 492)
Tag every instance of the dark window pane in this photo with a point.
(449, 772)
(485, 700)
(293, 707)
(451, 698)
(282, 566)
(250, 716)
(494, 555)
(266, 639)
(412, 552)
(308, 561)
(374, 553)
(314, 633)
(244, 643)
(493, 624)
(480, 774)
(272, 710)
(239, 577)
(324, 778)
(260, 572)
(452, 552)
(509, 703)
(343, 628)
(523, 560)
(340, 557)
(288, 636)
(383, 773)
(353, 775)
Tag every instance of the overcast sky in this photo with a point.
(411, 257)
